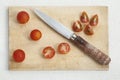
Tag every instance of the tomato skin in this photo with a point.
(19, 55)
(88, 30)
(94, 20)
(51, 54)
(63, 51)
(23, 17)
(35, 34)
(77, 27)
(84, 17)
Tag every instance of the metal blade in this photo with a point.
(54, 24)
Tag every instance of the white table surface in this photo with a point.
(114, 43)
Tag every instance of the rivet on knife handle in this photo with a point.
(92, 51)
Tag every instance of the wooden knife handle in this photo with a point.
(92, 51)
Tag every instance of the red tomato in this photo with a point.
(63, 48)
(84, 17)
(94, 20)
(19, 55)
(48, 52)
(23, 17)
(77, 27)
(88, 30)
(35, 34)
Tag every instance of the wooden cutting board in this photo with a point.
(75, 59)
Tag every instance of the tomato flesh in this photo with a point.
(35, 34)
(94, 20)
(84, 17)
(63, 48)
(77, 27)
(88, 30)
(48, 52)
(19, 55)
(23, 17)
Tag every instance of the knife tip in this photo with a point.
(35, 9)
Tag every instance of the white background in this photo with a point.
(114, 43)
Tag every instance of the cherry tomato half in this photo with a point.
(88, 30)
(77, 27)
(23, 17)
(35, 34)
(48, 52)
(84, 17)
(19, 55)
(63, 48)
(94, 20)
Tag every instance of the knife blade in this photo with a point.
(86, 47)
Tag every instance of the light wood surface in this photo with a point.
(75, 59)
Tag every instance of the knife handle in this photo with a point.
(92, 51)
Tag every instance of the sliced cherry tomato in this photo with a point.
(23, 17)
(94, 20)
(19, 55)
(88, 30)
(35, 34)
(48, 52)
(84, 17)
(63, 48)
(77, 27)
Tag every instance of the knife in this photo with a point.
(86, 47)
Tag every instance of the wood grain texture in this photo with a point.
(90, 50)
(75, 59)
